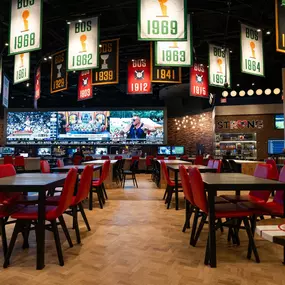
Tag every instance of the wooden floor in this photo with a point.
(136, 241)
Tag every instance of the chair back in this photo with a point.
(118, 157)
(172, 157)
(217, 165)
(19, 161)
(134, 166)
(45, 167)
(8, 159)
(148, 160)
(226, 167)
(279, 195)
(199, 160)
(275, 173)
(165, 172)
(105, 170)
(210, 163)
(88, 158)
(59, 163)
(85, 184)
(77, 159)
(184, 157)
(197, 186)
(234, 166)
(185, 181)
(160, 157)
(105, 157)
(135, 157)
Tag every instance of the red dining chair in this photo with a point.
(77, 160)
(222, 211)
(160, 157)
(210, 163)
(28, 215)
(275, 173)
(59, 163)
(19, 163)
(8, 159)
(184, 157)
(105, 157)
(199, 160)
(89, 158)
(45, 167)
(118, 157)
(217, 165)
(170, 188)
(172, 157)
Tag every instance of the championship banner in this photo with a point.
(5, 98)
(85, 89)
(59, 75)
(199, 81)
(1, 71)
(108, 73)
(252, 61)
(280, 25)
(38, 84)
(163, 74)
(139, 76)
(175, 53)
(21, 67)
(25, 26)
(83, 44)
(162, 20)
(219, 66)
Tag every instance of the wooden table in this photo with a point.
(247, 166)
(80, 168)
(175, 169)
(37, 183)
(229, 182)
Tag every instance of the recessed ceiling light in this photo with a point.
(259, 92)
(45, 58)
(68, 23)
(250, 92)
(268, 33)
(267, 91)
(233, 93)
(225, 94)
(253, 84)
(238, 85)
(242, 93)
(6, 44)
(276, 91)
(28, 84)
(100, 45)
(80, 21)
(50, 57)
(231, 51)
(259, 30)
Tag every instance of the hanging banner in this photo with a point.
(219, 66)
(162, 20)
(21, 67)
(83, 44)
(199, 81)
(25, 26)
(163, 74)
(85, 89)
(5, 93)
(139, 76)
(38, 84)
(252, 61)
(175, 53)
(280, 25)
(1, 71)
(59, 75)
(108, 73)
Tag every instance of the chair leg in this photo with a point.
(251, 241)
(76, 226)
(104, 190)
(253, 226)
(188, 213)
(221, 225)
(91, 199)
(206, 261)
(195, 222)
(3, 236)
(136, 180)
(65, 230)
(99, 197)
(165, 193)
(124, 180)
(84, 216)
(57, 242)
(26, 233)
(170, 193)
(200, 228)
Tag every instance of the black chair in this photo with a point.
(234, 166)
(132, 172)
(156, 173)
(226, 167)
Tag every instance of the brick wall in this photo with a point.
(189, 136)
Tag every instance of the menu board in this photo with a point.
(21, 67)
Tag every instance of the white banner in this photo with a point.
(175, 53)
(21, 67)
(219, 66)
(25, 26)
(83, 44)
(252, 61)
(5, 93)
(162, 20)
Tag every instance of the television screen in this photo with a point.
(44, 151)
(177, 150)
(279, 122)
(71, 151)
(24, 154)
(101, 150)
(165, 150)
(8, 150)
(275, 146)
(139, 125)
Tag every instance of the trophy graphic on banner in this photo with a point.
(174, 45)
(22, 59)
(104, 57)
(25, 16)
(252, 47)
(83, 39)
(163, 8)
(220, 64)
(59, 66)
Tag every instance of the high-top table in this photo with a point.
(214, 182)
(37, 183)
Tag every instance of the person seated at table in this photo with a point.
(78, 152)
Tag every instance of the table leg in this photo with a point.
(176, 190)
(212, 230)
(40, 231)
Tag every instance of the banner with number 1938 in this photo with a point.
(83, 44)
(252, 61)
(25, 26)
(163, 20)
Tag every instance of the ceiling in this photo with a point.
(214, 21)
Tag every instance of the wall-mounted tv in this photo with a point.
(8, 150)
(178, 150)
(279, 122)
(275, 146)
(44, 151)
(164, 150)
(101, 150)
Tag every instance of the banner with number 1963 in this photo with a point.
(163, 20)
(25, 26)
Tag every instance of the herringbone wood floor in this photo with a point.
(136, 241)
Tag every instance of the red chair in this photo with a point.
(210, 163)
(118, 157)
(59, 163)
(160, 157)
(222, 211)
(77, 160)
(105, 157)
(275, 172)
(170, 185)
(172, 157)
(199, 160)
(45, 167)
(19, 163)
(217, 165)
(8, 159)
(149, 162)
(29, 215)
(184, 157)
(98, 186)
(89, 158)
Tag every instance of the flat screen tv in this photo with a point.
(8, 150)
(178, 150)
(164, 150)
(24, 154)
(275, 146)
(44, 151)
(279, 122)
(101, 150)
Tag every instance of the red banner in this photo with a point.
(139, 76)
(85, 89)
(38, 84)
(199, 80)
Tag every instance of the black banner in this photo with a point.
(108, 73)
(163, 74)
(280, 25)
(58, 76)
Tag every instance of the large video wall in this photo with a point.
(120, 126)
